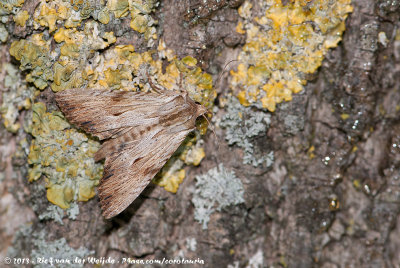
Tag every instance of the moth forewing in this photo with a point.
(141, 132)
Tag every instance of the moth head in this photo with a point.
(200, 110)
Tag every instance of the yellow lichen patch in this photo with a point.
(71, 69)
(104, 16)
(63, 156)
(141, 21)
(21, 17)
(47, 14)
(289, 41)
(71, 13)
(34, 56)
(120, 8)
(171, 175)
(140, 10)
(193, 153)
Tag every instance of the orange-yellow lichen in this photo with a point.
(48, 13)
(63, 156)
(171, 176)
(283, 45)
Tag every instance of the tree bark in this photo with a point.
(329, 199)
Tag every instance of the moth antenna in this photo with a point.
(212, 129)
(223, 70)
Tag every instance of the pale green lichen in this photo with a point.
(287, 42)
(16, 97)
(10, 6)
(243, 125)
(53, 212)
(3, 33)
(63, 156)
(56, 250)
(34, 245)
(215, 190)
(56, 213)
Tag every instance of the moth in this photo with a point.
(141, 131)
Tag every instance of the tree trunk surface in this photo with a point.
(328, 198)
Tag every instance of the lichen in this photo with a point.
(21, 17)
(53, 212)
(56, 250)
(70, 14)
(3, 33)
(172, 174)
(16, 97)
(71, 70)
(34, 245)
(8, 6)
(34, 56)
(74, 51)
(243, 125)
(140, 10)
(56, 213)
(289, 41)
(63, 156)
(215, 190)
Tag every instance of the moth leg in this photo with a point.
(181, 88)
(154, 87)
(180, 81)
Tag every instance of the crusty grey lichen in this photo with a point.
(57, 249)
(34, 245)
(53, 212)
(56, 213)
(242, 125)
(3, 34)
(217, 189)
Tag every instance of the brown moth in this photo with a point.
(141, 131)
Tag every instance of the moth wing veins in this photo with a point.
(141, 130)
(127, 173)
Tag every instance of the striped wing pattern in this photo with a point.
(141, 131)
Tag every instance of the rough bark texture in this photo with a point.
(339, 208)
